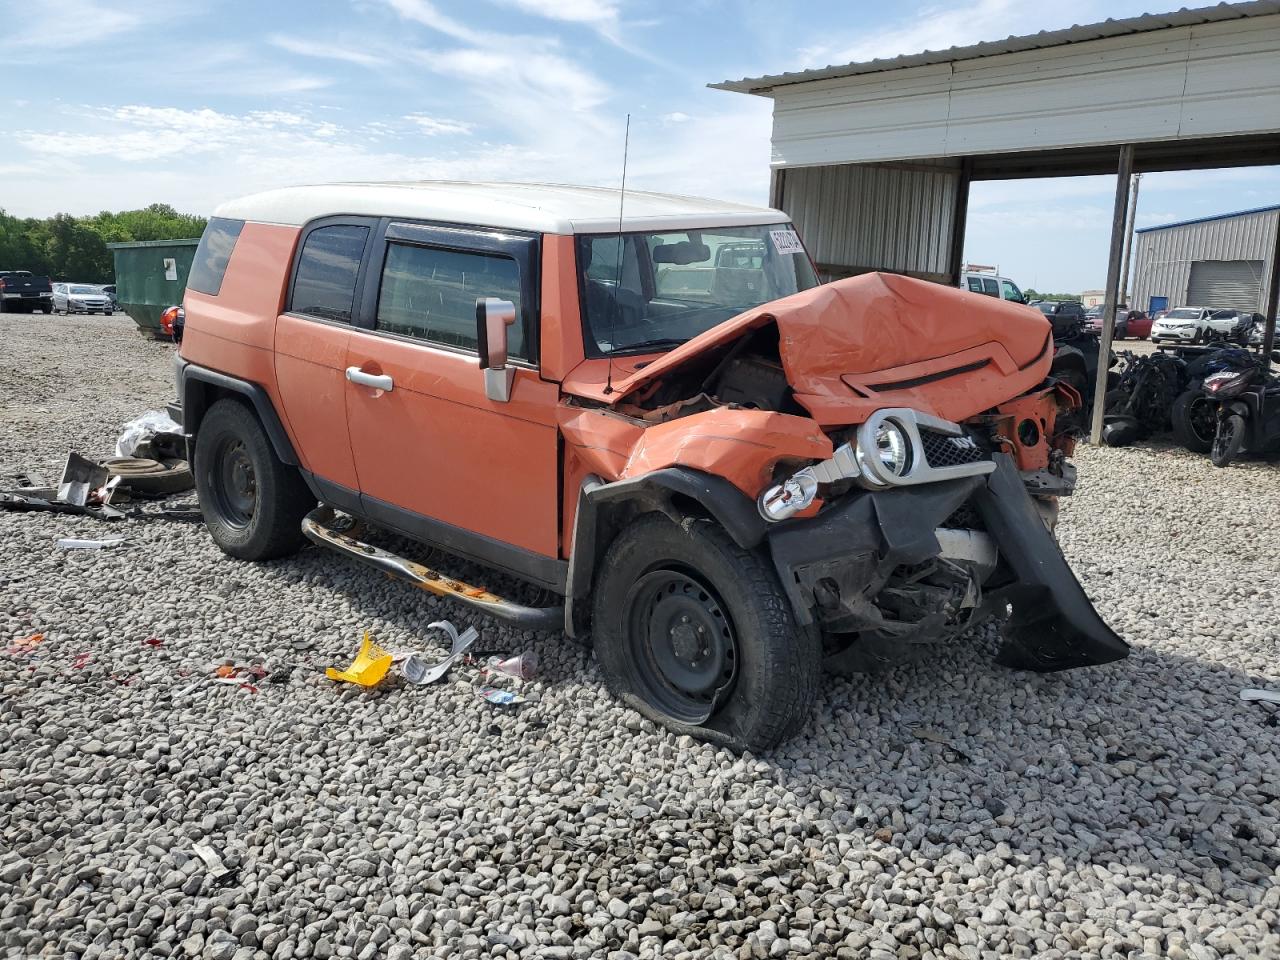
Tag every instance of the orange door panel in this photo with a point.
(311, 377)
(436, 446)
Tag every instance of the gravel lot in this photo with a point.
(948, 809)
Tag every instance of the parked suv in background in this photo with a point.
(1193, 325)
(725, 473)
(991, 285)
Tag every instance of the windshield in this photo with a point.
(80, 288)
(1183, 313)
(1047, 306)
(644, 292)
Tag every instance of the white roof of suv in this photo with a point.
(541, 207)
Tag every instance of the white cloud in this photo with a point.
(676, 117)
(68, 23)
(435, 126)
(427, 14)
(329, 51)
(592, 12)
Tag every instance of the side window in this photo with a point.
(1009, 292)
(430, 293)
(975, 284)
(325, 284)
(212, 255)
(990, 287)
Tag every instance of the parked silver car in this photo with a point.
(81, 298)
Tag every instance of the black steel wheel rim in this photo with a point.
(235, 484)
(682, 644)
(1203, 419)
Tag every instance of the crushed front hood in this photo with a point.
(881, 340)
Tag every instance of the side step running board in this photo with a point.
(318, 528)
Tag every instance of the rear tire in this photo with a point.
(687, 623)
(1195, 421)
(253, 503)
(1228, 440)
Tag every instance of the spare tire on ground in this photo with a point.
(150, 477)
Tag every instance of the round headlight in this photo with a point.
(892, 449)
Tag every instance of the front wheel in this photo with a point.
(695, 632)
(1228, 440)
(1195, 420)
(253, 503)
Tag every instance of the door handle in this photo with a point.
(356, 375)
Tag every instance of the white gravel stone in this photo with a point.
(1127, 810)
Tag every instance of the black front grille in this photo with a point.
(941, 450)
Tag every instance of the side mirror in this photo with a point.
(493, 317)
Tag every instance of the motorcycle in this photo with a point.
(1194, 414)
(1248, 411)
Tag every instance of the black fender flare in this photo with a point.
(194, 383)
(603, 508)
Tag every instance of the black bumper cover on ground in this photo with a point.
(1053, 627)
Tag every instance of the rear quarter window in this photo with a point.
(328, 267)
(213, 254)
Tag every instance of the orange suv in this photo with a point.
(727, 473)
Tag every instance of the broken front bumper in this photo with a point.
(835, 565)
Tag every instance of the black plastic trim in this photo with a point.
(653, 491)
(544, 571)
(195, 402)
(1054, 624)
(929, 377)
(894, 527)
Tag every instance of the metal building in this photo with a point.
(873, 160)
(1221, 261)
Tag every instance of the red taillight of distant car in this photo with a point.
(169, 318)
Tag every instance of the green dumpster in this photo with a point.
(150, 276)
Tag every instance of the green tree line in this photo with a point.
(63, 247)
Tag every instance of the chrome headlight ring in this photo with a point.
(880, 471)
(888, 453)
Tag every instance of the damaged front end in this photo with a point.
(904, 499)
(889, 564)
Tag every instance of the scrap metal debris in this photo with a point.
(70, 543)
(417, 671)
(217, 869)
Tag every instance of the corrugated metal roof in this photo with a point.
(1216, 216)
(1045, 38)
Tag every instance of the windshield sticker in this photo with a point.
(786, 241)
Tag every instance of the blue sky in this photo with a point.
(190, 102)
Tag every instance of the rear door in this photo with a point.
(311, 348)
(435, 457)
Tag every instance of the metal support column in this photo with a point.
(1123, 173)
(959, 222)
(1128, 239)
(1273, 295)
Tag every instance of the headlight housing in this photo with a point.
(888, 452)
(891, 447)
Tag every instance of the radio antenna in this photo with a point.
(617, 271)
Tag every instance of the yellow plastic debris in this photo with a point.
(367, 669)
